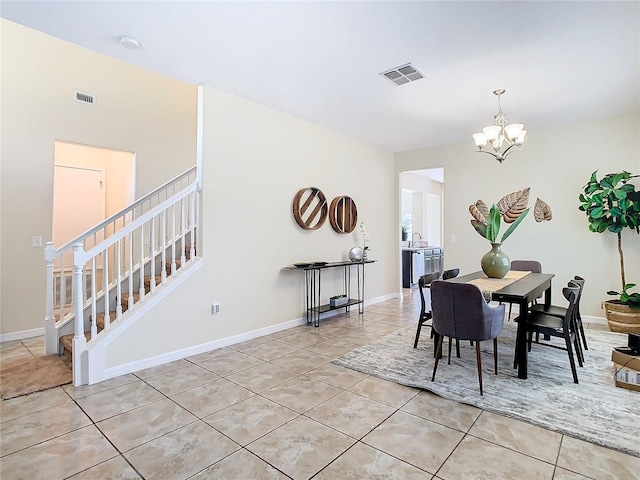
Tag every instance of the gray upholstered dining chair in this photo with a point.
(460, 311)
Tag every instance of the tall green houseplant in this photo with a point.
(612, 204)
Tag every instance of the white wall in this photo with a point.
(255, 160)
(556, 164)
(136, 111)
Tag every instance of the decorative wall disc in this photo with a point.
(310, 208)
(343, 214)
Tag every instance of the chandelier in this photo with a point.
(500, 138)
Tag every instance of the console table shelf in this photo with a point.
(312, 282)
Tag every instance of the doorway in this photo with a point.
(89, 185)
(421, 216)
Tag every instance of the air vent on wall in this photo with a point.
(403, 74)
(85, 98)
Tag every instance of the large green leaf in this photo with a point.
(493, 223)
(513, 226)
(596, 212)
(620, 194)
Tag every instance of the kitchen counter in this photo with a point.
(419, 260)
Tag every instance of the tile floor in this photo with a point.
(276, 408)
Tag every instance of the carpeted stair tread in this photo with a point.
(147, 282)
(67, 343)
(100, 319)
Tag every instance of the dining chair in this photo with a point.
(461, 312)
(565, 327)
(424, 282)
(532, 266)
(557, 311)
(452, 273)
(446, 275)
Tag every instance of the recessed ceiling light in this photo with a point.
(129, 42)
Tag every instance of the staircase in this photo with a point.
(105, 280)
(66, 341)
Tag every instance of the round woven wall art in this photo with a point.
(343, 214)
(310, 208)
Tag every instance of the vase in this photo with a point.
(495, 263)
(405, 236)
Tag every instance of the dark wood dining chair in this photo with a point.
(544, 324)
(559, 311)
(452, 273)
(461, 312)
(425, 315)
(532, 266)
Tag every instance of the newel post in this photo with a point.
(80, 371)
(50, 334)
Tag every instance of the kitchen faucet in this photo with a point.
(412, 236)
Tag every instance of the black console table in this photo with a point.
(312, 283)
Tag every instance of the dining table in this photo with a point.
(520, 288)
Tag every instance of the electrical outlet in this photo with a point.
(215, 309)
(36, 241)
(452, 239)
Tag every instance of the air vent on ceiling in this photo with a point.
(403, 74)
(85, 98)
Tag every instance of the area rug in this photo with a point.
(595, 410)
(22, 377)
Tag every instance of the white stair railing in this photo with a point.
(86, 276)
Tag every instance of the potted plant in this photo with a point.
(612, 204)
(512, 209)
(405, 233)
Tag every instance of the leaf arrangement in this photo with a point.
(511, 208)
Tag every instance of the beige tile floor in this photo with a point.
(276, 408)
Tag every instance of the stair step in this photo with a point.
(178, 264)
(100, 319)
(147, 281)
(124, 301)
(67, 343)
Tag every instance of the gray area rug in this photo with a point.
(595, 410)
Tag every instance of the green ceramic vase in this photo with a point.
(495, 263)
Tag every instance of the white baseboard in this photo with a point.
(224, 342)
(596, 320)
(34, 332)
(196, 349)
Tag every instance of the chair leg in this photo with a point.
(415, 344)
(571, 360)
(584, 338)
(437, 359)
(457, 348)
(449, 359)
(479, 363)
(495, 354)
(509, 314)
(578, 349)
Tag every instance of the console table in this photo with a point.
(313, 283)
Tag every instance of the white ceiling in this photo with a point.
(559, 61)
